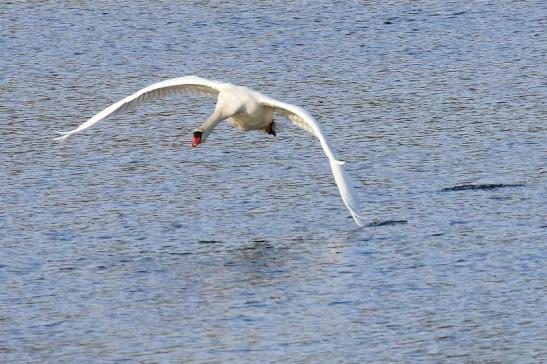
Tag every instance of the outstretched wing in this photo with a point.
(188, 85)
(304, 120)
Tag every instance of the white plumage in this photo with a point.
(244, 108)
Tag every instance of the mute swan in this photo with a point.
(245, 109)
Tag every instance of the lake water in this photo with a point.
(124, 245)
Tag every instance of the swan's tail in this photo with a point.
(347, 191)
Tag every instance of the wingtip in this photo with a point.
(64, 135)
(358, 219)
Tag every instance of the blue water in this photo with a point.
(124, 245)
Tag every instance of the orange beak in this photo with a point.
(196, 139)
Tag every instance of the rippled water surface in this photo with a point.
(124, 245)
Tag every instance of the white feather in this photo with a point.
(304, 120)
(245, 109)
(188, 85)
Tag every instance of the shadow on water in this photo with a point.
(210, 242)
(387, 223)
(483, 187)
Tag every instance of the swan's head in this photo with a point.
(197, 138)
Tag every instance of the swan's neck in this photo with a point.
(210, 124)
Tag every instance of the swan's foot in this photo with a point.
(270, 129)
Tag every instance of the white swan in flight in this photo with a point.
(245, 109)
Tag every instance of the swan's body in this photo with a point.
(244, 108)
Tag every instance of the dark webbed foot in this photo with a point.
(270, 129)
